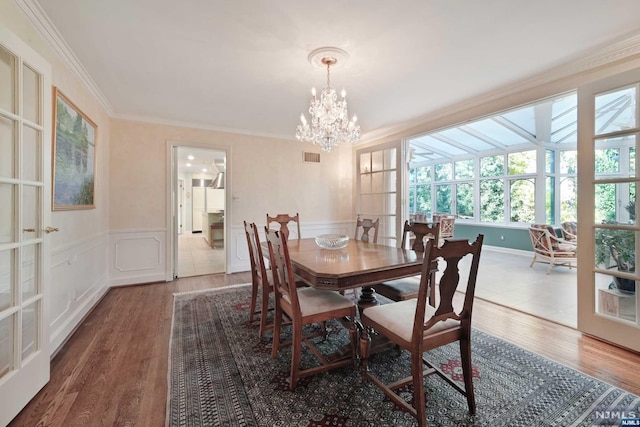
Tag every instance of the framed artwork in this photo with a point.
(74, 156)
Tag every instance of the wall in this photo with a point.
(503, 237)
(264, 175)
(79, 273)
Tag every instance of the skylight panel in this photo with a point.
(497, 132)
(524, 118)
(468, 140)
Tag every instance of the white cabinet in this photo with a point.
(215, 199)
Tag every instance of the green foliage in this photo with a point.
(616, 245)
(492, 200)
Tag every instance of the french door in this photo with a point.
(25, 200)
(379, 189)
(608, 273)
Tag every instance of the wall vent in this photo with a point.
(310, 157)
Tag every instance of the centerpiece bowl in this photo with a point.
(332, 241)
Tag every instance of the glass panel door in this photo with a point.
(25, 188)
(378, 189)
(609, 136)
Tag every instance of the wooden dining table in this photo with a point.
(359, 264)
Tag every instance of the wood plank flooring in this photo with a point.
(113, 369)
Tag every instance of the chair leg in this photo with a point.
(467, 372)
(353, 340)
(254, 298)
(365, 348)
(265, 309)
(533, 260)
(296, 350)
(419, 402)
(277, 324)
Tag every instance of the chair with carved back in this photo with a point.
(414, 234)
(364, 227)
(259, 280)
(305, 306)
(415, 326)
(284, 220)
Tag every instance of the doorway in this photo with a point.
(199, 205)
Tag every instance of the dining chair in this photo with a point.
(284, 220)
(415, 326)
(259, 280)
(414, 234)
(305, 306)
(364, 227)
(447, 225)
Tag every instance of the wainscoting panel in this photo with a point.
(78, 280)
(137, 256)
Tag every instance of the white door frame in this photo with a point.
(172, 201)
(590, 320)
(25, 376)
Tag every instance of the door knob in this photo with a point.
(28, 230)
(51, 229)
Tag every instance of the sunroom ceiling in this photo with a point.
(549, 121)
(552, 121)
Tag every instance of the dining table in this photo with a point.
(358, 264)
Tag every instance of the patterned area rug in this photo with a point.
(221, 374)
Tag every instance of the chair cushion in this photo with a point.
(398, 318)
(400, 289)
(313, 301)
(567, 247)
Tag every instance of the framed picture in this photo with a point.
(74, 156)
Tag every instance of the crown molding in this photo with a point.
(43, 24)
(202, 126)
(624, 48)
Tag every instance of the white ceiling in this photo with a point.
(242, 65)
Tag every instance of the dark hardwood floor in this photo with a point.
(113, 369)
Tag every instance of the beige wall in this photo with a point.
(265, 175)
(73, 225)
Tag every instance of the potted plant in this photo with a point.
(617, 248)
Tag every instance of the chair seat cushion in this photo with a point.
(313, 301)
(567, 247)
(398, 318)
(400, 289)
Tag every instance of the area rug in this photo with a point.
(222, 374)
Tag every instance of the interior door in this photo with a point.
(25, 201)
(378, 189)
(609, 136)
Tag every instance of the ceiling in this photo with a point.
(242, 65)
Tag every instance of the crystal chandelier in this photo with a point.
(329, 125)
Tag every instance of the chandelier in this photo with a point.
(329, 125)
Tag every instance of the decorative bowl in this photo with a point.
(332, 241)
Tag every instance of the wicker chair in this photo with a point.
(550, 249)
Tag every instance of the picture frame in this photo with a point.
(74, 156)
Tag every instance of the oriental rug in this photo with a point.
(222, 374)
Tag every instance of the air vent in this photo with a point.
(311, 157)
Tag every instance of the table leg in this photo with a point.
(367, 298)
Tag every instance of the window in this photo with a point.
(496, 169)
